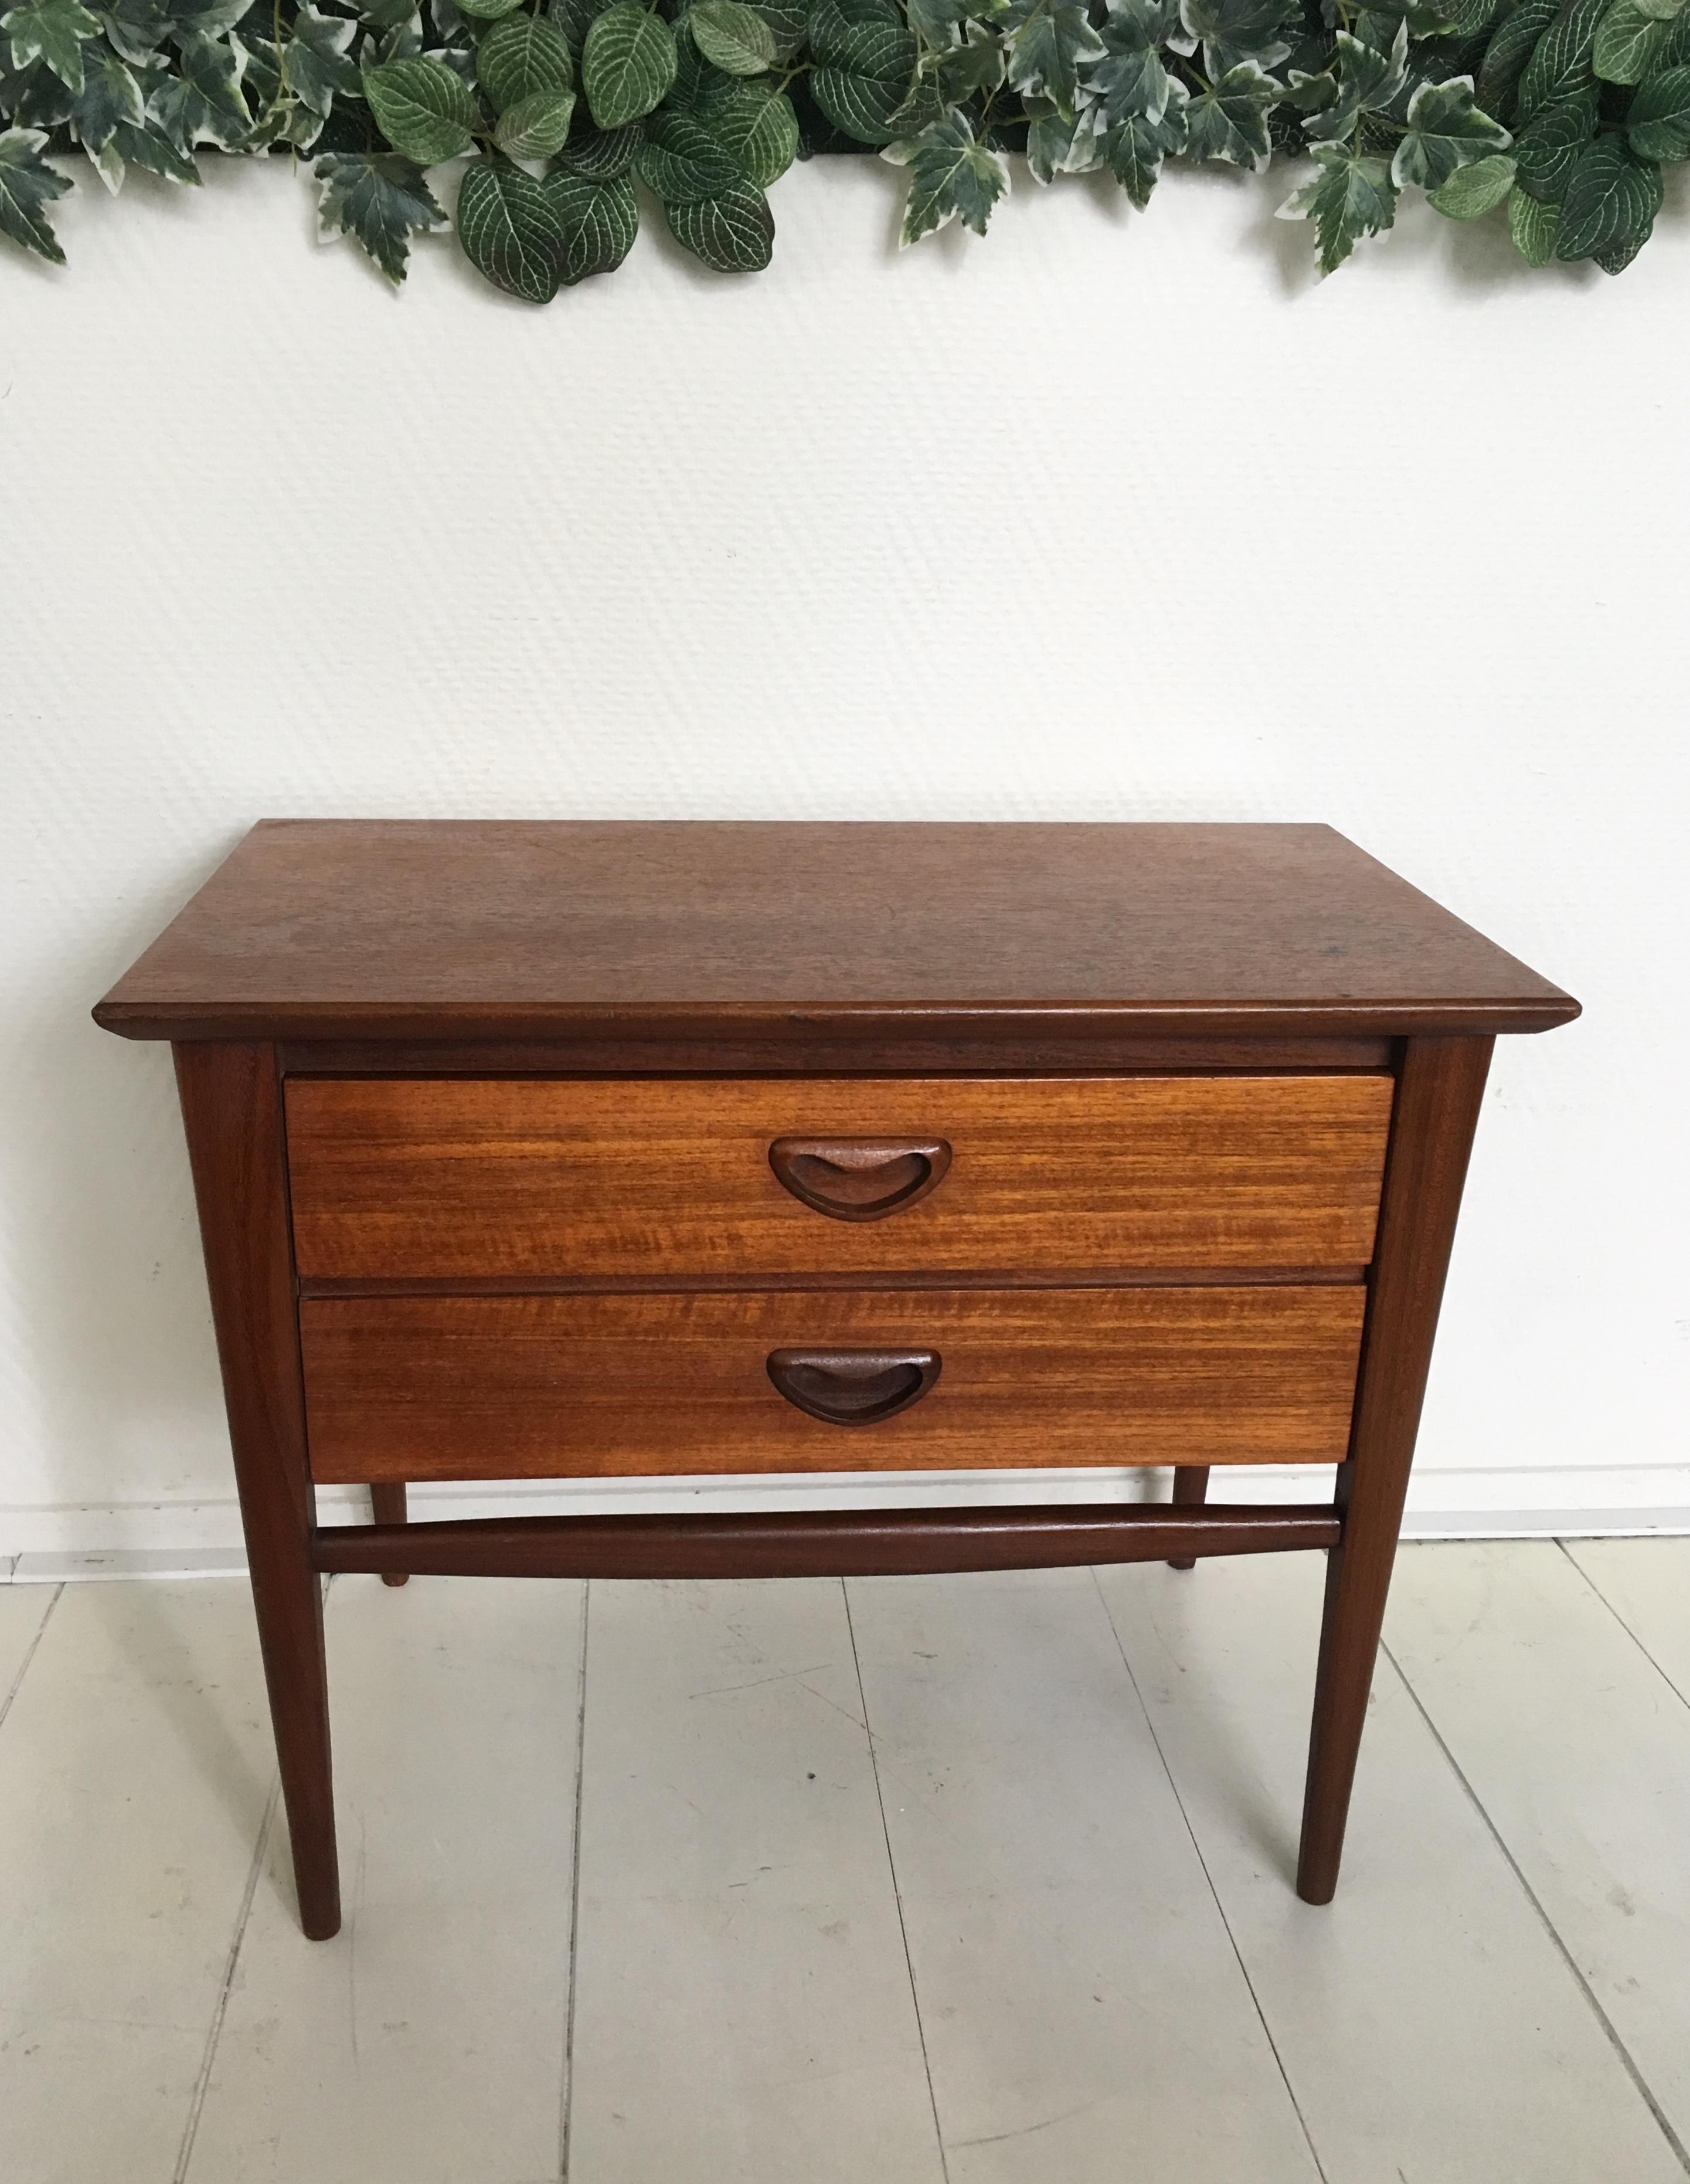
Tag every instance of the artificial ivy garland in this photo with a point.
(1562, 111)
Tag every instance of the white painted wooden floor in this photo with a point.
(950, 1881)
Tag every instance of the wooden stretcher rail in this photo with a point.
(821, 1543)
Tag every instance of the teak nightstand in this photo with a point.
(549, 1150)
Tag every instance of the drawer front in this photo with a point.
(660, 1177)
(509, 1387)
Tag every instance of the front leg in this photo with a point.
(231, 1106)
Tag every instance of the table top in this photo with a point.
(319, 928)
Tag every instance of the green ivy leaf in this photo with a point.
(1352, 196)
(511, 229)
(973, 69)
(520, 56)
(1475, 189)
(52, 31)
(1657, 119)
(1533, 227)
(1131, 81)
(536, 126)
(1048, 43)
(1134, 152)
(1062, 143)
(1234, 30)
(1229, 120)
(599, 221)
(201, 103)
(27, 186)
(425, 110)
(627, 64)
(135, 28)
(603, 155)
(1547, 148)
(733, 231)
(108, 96)
(1611, 199)
(1445, 131)
(1628, 40)
(682, 161)
(319, 66)
(148, 148)
(759, 129)
(952, 176)
(864, 73)
(379, 199)
(1362, 80)
(733, 36)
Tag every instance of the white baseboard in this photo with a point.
(203, 1538)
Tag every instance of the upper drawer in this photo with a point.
(654, 1177)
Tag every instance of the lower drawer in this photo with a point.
(512, 1387)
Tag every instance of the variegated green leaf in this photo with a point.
(1234, 30)
(53, 31)
(379, 199)
(1048, 43)
(1351, 197)
(201, 103)
(27, 186)
(1229, 120)
(952, 176)
(1445, 130)
(1134, 152)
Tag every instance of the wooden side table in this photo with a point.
(573, 1150)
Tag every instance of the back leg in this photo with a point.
(1191, 1491)
(387, 1506)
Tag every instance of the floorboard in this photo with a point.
(1646, 1585)
(743, 2012)
(1083, 2002)
(1579, 1750)
(135, 1765)
(426, 2040)
(1429, 2025)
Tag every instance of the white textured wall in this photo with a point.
(1106, 518)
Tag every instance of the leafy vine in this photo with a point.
(1559, 113)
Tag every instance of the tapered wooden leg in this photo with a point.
(387, 1507)
(1191, 1491)
(231, 1105)
(1439, 1090)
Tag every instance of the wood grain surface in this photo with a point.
(667, 1177)
(424, 1388)
(454, 930)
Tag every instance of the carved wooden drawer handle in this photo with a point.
(859, 1179)
(854, 1387)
